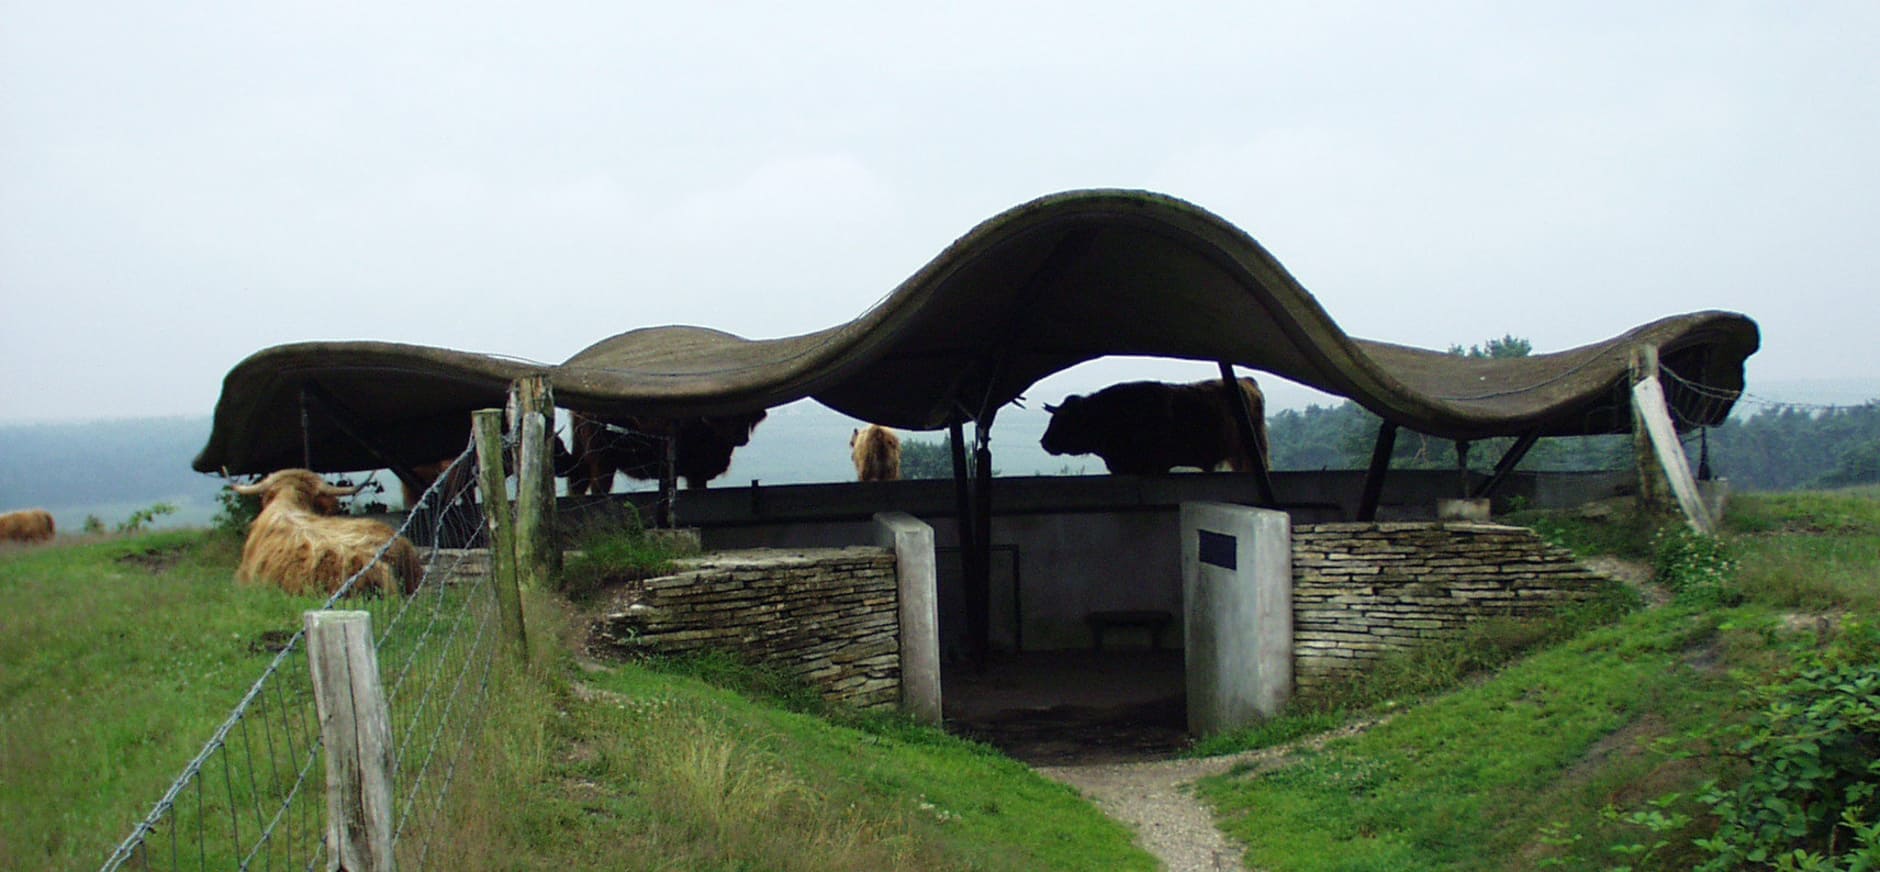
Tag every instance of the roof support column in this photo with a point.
(667, 514)
(1250, 431)
(965, 529)
(1380, 464)
(1507, 463)
(979, 586)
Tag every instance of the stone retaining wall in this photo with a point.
(1361, 591)
(827, 615)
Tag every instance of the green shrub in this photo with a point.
(616, 548)
(1699, 569)
(236, 513)
(140, 520)
(1810, 798)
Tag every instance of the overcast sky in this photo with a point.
(183, 184)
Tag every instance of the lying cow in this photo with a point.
(876, 452)
(27, 525)
(637, 447)
(295, 544)
(1148, 428)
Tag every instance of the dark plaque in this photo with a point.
(1218, 550)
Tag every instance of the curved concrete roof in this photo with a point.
(1041, 287)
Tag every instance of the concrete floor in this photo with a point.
(1072, 706)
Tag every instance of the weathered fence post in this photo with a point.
(356, 731)
(487, 427)
(538, 554)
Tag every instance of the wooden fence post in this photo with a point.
(538, 553)
(487, 425)
(356, 731)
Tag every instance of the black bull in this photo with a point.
(637, 447)
(1148, 428)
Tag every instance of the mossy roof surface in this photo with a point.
(1044, 286)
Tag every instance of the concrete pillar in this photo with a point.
(912, 541)
(1237, 604)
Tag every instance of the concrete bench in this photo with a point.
(1155, 621)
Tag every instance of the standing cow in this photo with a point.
(296, 545)
(1148, 428)
(27, 525)
(637, 447)
(876, 452)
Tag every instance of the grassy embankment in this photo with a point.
(118, 658)
(1746, 712)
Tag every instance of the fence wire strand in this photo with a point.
(267, 808)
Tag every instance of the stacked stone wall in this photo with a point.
(827, 615)
(1362, 591)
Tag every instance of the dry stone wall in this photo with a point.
(827, 615)
(1361, 591)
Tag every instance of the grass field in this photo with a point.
(1628, 744)
(119, 657)
(1613, 737)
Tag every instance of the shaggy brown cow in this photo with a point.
(1147, 428)
(636, 447)
(876, 452)
(27, 525)
(293, 545)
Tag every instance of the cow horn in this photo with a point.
(337, 491)
(248, 490)
(1050, 409)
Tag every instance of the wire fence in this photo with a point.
(254, 797)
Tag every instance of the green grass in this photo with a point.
(118, 658)
(1405, 677)
(660, 770)
(1589, 753)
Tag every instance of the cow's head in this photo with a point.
(1072, 431)
(301, 487)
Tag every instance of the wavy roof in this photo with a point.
(1036, 289)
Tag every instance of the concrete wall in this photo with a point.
(1065, 546)
(1362, 591)
(1237, 583)
(830, 616)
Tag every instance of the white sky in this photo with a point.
(182, 184)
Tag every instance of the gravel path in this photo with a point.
(1156, 799)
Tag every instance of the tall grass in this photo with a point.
(655, 766)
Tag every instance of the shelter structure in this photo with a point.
(1049, 284)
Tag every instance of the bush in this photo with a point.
(1811, 795)
(1699, 569)
(140, 520)
(236, 514)
(615, 549)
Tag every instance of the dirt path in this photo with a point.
(1156, 798)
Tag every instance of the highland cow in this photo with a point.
(295, 545)
(876, 452)
(1148, 428)
(27, 525)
